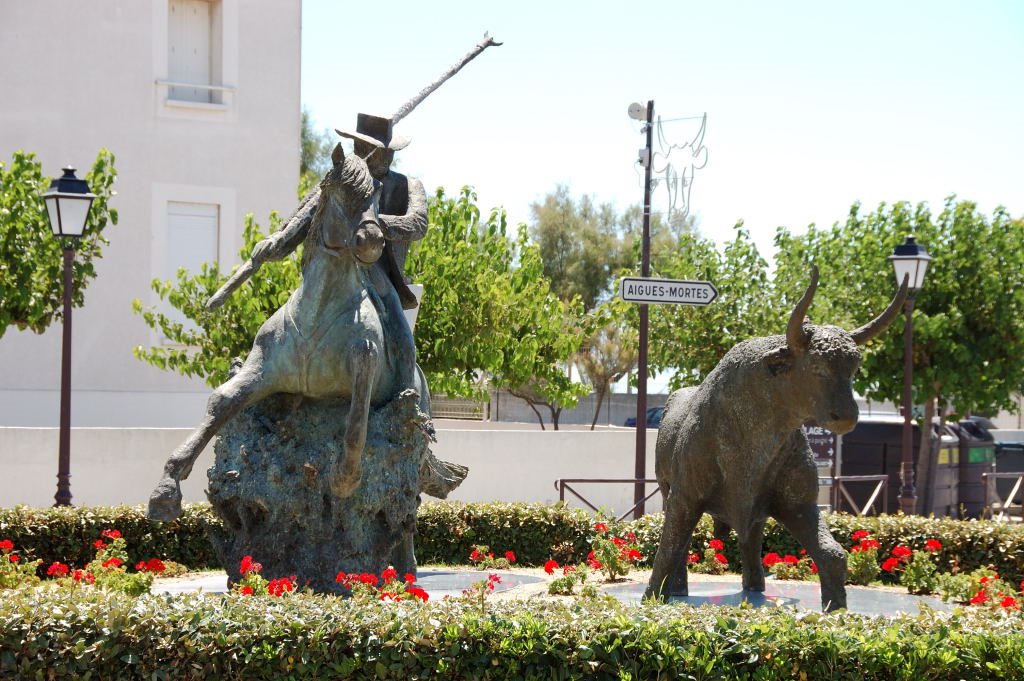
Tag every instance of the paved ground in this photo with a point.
(528, 583)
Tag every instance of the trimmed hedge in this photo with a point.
(49, 634)
(447, 531)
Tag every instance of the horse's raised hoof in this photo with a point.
(165, 501)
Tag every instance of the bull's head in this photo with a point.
(820, 361)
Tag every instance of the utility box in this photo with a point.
(946, 487)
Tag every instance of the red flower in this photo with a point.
(860, 534)
(369, 578)
(634, 555)
(790, 560)
(716, 544)
(248, 565)
(83, 575)
(246, 590)
(496, 579)
(475, 556)
(721, 559)
(57, 570)
(600, 527)
(111, 534)
(694, 558)
(510, 556)
(980, 597)
(6, 545)
(568, 568)
(409, 578)
(417, 592)
(932, 545)
(619, 541)
(814, 568)
(890, 564)
(13, 558)
(630, 537)
(389, 575)
(99, 544)
(983, 580)
(551, 566)
(278, 587)
(869, 544)
(771, 559)
(1009, 603)
(594, 563)
(901, 552)
(113, 561)
(155, 565)
(341, 577)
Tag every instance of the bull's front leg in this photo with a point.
(808, 527)
(751, 541)
(668, 577)
(363, 363)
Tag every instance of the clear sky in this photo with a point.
(810, 105)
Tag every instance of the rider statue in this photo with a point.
(403, 218)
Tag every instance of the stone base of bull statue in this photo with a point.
(270, 486)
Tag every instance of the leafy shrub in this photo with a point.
(790, 566)
(190, 637)
(447, 532)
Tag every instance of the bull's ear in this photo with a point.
(778, 362)
(338, 155)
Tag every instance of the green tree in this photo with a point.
(689, 340)
(611, 350)
(206, 345)
(489, 317)
(315, 153)
(580, 245)
(31, 265)
(968, 319)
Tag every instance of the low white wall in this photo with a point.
(121, 465)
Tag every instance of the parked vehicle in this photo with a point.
(654, 415)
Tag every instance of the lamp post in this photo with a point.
(909, 260)
(67, 204)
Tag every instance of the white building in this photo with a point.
(199, 101)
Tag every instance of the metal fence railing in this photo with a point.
(1003, 506)
(564, 485)
(840, 493)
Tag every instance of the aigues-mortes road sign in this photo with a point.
(641, 290)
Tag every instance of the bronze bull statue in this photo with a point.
(733, 447)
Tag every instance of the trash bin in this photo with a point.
(946, 487)
(977, 456)
(1009, 459)
(874, 447)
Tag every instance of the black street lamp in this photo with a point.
(67, 204)
(909, 260)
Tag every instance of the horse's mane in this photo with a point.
(353, 180)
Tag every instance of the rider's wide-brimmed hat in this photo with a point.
(377, 131)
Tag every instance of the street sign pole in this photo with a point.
(641, 389)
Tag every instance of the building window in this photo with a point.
(194, 47)
(193, 238)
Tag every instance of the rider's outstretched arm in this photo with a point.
(291, 233)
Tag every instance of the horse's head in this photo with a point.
(348, 209)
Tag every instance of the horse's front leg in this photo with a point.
(241, 390)
(363, 363)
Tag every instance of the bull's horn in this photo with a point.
(882, 321)
(795, 331)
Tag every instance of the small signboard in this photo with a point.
(651, 290)
(822, 441)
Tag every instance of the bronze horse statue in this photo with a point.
(329, 340)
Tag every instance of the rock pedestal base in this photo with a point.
(269, 485)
